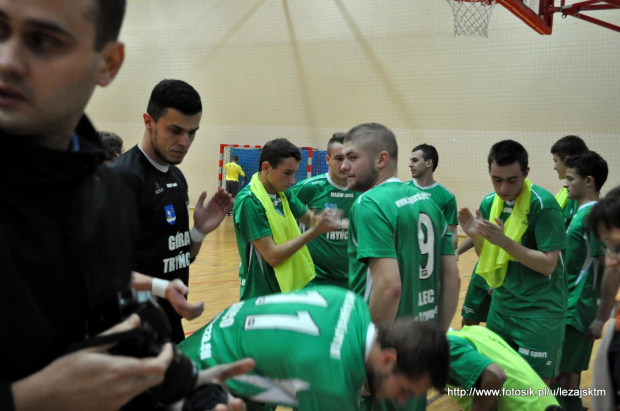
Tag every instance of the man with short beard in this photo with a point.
(401, 257)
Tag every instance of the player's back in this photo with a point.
(396, 220)
(309, 347)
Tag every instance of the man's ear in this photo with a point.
(149, 122)
(527, 171)
(113, 55)
(264, 166)
(383, 158)
(589, 181)
(388, 357)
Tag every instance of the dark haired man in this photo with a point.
(166, 245)
(315, 349)
(329, 191)
(518, 234)
(62, 261)
(562, 149)
(273, 252)
(584, 260)
(423, 163)
(604, 222)
(114, 143)
(401, 257)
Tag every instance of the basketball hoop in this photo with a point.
(471, 17)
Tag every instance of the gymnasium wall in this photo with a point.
(304, 69)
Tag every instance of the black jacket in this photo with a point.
(67, 225)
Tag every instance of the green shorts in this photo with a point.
(476, 304)
(342, 283)
(538, 340)
(576, 351)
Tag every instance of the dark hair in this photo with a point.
(376, 137)
(568, 146)
(275, 151)
(175, 94)
(421, 348)
(589, 163)
(112, 141)
(107, 17)
(428, 153)
(235, 158)
(507, 152)
(337, 138)
(605, 214)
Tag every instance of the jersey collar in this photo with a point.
(163, 169)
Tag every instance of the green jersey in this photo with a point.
(329, 250)
(443, 197)
(526, 293)
(569, 211)
(472, 350)
(396, 220)
(310, 347)
(584, 273)
(256, 276)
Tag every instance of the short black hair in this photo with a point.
(589, 163)
(276, 151)
(108, 19)
(175, 94)
(235, 158)
(605, 214)
(568, 146)
(507, 152)
(113, 142)
(337, 138)
(376, 138)
(421, 348)
(428, 153)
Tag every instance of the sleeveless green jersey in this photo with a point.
(474, 348)
(256, 276)
(329, 250)
(443, 197)
(396, 220)
(310, 347)
(583, 271)
(526, 293)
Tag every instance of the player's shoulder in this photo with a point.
(543, 199)
(445, 190)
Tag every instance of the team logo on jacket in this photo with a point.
(171, 216)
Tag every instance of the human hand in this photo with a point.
(92, 378)
(468, 222)
(595, 331)
(175, 294)
(493, 233)
(218, 375)
(325, 222)
(209, 215)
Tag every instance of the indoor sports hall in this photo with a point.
(532, 72)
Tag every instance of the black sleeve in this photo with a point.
(6, 397)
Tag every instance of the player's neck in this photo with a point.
(588, 197)
(262, 176)
(425, 180)
(342, 182)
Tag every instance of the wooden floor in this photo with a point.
(214, 280)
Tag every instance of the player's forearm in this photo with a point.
(449, 288)
(141, 282)
(542, 262)
(465, 245)
(278, 253)
(609, 288)
(383, 304)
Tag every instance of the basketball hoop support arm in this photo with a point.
(576, 10)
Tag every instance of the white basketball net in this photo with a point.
(471, 18)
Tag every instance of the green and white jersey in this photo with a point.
(472, 350)
(569, 211)
(310, 347)
(526, 293)
(396, 220)
(583, 271)
(329, 250)
(443, 197)
(256, 276)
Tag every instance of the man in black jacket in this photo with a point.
(66, 222)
